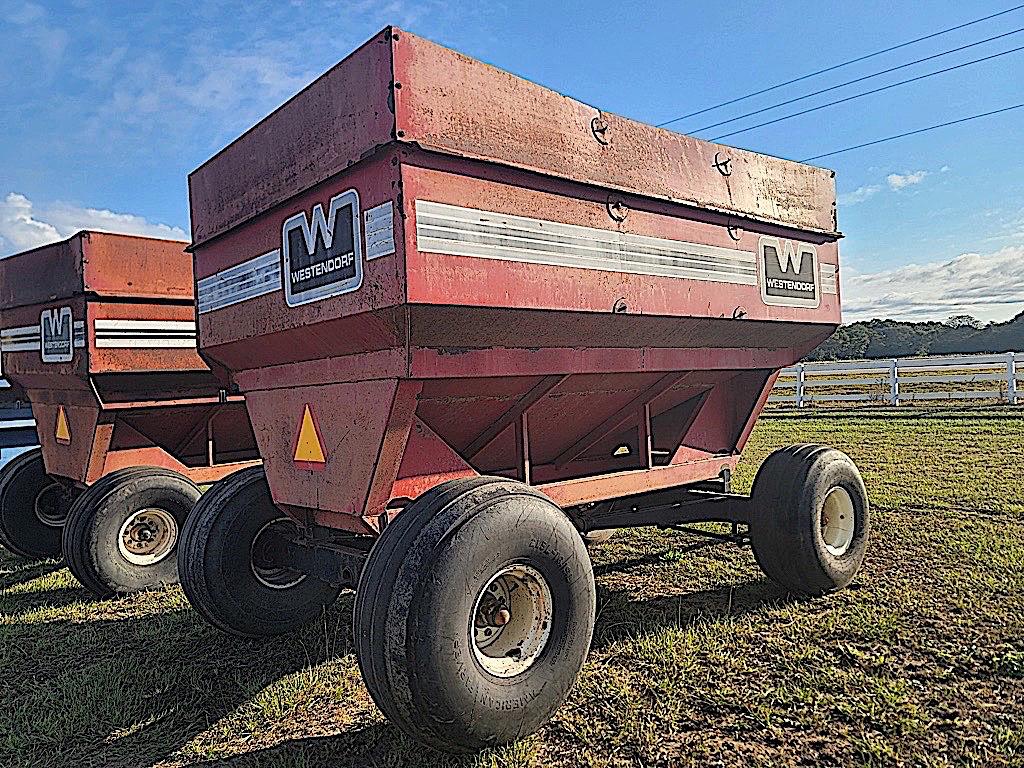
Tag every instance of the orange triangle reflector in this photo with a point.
(62, 433)
(308, 447)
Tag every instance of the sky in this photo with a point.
(106, 106)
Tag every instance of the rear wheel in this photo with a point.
(228, 570)
(474, 614)
(811, 518)
(122, 533)
(33, 507)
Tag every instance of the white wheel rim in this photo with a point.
(44, 512)
(147, 536)
(273, 577)
(838, 519)
(511, 621)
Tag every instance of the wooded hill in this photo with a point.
(959, 335)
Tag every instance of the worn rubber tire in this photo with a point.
(22, 532)
(787, 498)
(416, 599)
(90, 541)
(215, 563)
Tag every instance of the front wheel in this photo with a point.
(121, 534)
(811, 519)
(474, 614)
(33, 507)
(227, 570)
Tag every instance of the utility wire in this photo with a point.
(913, 133)
(842, 64)
(857, 80)
(868, 93)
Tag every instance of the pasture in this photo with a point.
(697, 659)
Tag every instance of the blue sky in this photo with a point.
(105, 107)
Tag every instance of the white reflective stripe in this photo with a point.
(123, 333)
(145, 325)
(25, 338)
(19, 346)
(829, 278)
(449, 229)
(149, 342)
(252, 278)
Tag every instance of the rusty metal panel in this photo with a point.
(331, 124)
(43, 274)
(136, 267)
(453, 104)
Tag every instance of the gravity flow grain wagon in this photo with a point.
(472, 320)
(98, 334)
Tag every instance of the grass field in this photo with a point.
(697, 659)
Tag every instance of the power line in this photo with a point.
(842, 64)
(868, 93)
(857, 80)
(912, 133)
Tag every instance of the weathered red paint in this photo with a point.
(589, 384)
(124, 406)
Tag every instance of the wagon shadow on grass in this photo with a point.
(132, 690)
(378, 744)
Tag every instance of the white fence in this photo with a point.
(895, 381)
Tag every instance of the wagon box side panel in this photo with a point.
(40, 275)
(456, 105)
(336, 121)
(491, 237)
(241, 277)
(136, 267)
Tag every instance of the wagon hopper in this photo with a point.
(98, 334)
(473, 319)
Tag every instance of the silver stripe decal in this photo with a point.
(829, 278)
(252, 278)
(145, 342)
(448, 229)
(145, 334)
(27, 338)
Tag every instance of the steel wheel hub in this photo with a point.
(837, 521)
(264, 567)
(148, 536)
(512, 620)
(50, 506)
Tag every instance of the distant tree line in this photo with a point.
(959, 335)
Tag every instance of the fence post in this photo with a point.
(799, 385)
(894, 382)
(1011, 378)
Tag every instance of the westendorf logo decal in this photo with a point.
(56, 328)
(789, 273)
(322, 255)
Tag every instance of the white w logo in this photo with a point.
(320, 226)
(790, 259)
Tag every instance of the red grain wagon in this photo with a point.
(473, 319)
(98, 333)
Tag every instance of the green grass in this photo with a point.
(697, 659)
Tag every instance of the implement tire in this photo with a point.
(122, 532)
(811, 519)
(474, 614)
(33, 507)
(220, 570)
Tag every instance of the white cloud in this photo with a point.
(22, 226)
(989, 286)
(859, 195)
(897, 181)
